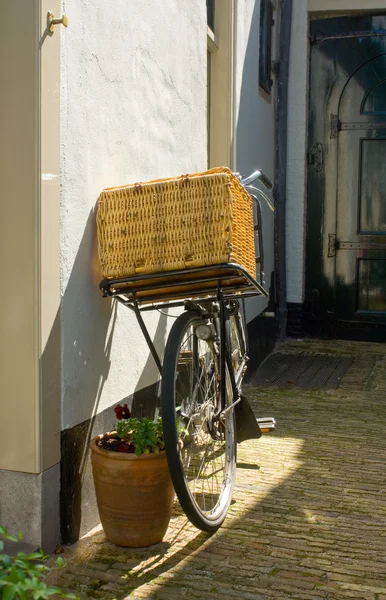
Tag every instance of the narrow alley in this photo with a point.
(309, 510)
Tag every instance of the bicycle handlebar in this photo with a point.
(258, 174)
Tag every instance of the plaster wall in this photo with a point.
(303, 11)
(254, 118)
(133, 107)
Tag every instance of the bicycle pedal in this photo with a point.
(266, 424)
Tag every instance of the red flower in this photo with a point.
(122, 412)
(126, 447)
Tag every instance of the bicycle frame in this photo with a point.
(226, 360)
(246, 423)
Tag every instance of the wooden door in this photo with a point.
(361, 196)
(346, 204)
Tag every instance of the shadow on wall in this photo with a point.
(255, 115)
(87, 328)
(88, 325)
(145, 401)
(255, 148)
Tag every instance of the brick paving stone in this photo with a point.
(100, 566)
(309, 512)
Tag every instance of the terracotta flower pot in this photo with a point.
(134, 495)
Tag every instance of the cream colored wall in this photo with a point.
(29, 236)
(19, 319)
(221, 93)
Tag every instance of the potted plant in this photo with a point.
(133, 488)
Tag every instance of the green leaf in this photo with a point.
(40, 567)
(16, 576)
(9, 593)
(39, 595)
(39, 555)
(46, 592)
(5, 559)
(53, 590)
(3, 530)
(60, 562)
(22, 564)
(32, 584)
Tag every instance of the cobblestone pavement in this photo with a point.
(309, 512)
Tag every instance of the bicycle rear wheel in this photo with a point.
(201, 450)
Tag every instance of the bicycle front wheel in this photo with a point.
(201, 450)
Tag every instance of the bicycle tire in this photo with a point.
(202, 467)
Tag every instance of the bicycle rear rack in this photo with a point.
(175, 286)
(154, 291)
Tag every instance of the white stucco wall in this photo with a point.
(254, 121)
(133, 107)
(303, 10)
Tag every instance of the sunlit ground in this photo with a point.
(308, 517)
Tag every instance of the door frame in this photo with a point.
(321, 314)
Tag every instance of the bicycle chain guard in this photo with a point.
(247, 427)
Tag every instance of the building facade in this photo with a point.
(125, 93)
(147, 89)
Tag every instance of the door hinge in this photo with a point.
(334, 126)
(315, 157)
(331, 245)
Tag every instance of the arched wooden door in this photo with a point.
(346, 187)
(361, 196)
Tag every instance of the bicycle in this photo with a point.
(205, 359)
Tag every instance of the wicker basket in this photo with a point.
(194, 220)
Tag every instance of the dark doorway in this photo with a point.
(346, 204)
